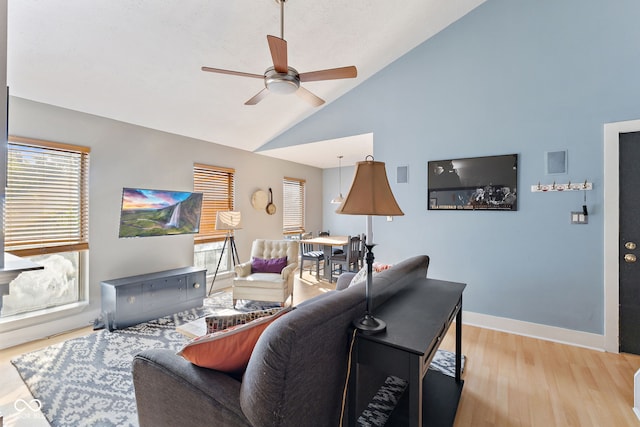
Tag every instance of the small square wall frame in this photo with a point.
(555, 162)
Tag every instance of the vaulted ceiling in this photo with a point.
(139, 61)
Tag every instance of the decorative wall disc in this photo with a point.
(259, 200)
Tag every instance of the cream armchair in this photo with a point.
(276, 287)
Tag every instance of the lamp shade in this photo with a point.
(370, 192)
(228, 220)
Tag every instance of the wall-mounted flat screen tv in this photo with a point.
(474, 183)
(159, 212)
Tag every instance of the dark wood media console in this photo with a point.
(131, 300)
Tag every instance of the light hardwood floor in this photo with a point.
(510, 380)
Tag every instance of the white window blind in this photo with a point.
(217, 185)
(47, 197)
(293, 209)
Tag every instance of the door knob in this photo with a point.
(630, 245)
(630, 258)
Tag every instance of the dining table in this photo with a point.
(328, 243)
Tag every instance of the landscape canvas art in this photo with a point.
(159, 212)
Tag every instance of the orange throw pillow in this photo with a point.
(228, 350)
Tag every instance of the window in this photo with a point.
(46, 220)
(217, 185)
(293, 209)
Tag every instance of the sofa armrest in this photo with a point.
(244, 269)
(289, 269)
(344, 280)
(170, 390)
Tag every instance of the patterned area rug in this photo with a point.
(383, 403)
(445, 362)
(86, 381)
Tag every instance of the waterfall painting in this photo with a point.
(159, 212)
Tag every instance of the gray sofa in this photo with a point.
(295, 376)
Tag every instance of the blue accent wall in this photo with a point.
(521, 77)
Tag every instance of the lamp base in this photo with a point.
(369, 325)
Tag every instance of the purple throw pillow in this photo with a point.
(274, 265)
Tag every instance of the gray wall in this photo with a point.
(519, 77)
(124, 155)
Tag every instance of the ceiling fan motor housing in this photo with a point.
(285, 80)
(281, 83)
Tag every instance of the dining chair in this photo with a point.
(347, 261)
(308, 252)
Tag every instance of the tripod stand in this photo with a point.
(234, 256)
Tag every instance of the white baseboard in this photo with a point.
(636, 394)
(40, 328)
(535, 330)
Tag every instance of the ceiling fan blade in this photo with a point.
(309, 97)
(258, 97)
(330, 74)
(233, 73)
(278, 48)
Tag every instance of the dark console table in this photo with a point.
(417, 317)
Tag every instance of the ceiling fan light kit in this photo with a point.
(282, 83)
(283, 79)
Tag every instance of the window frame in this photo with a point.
(213, 182)
(293, 205)
(23, 239)
(25, 247)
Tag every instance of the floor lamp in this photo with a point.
(227, 221)
(370, 194)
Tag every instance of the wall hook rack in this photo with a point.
(570, 186)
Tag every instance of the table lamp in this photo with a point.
(370, 194)
(228, 221)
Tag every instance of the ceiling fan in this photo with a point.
(283, 79)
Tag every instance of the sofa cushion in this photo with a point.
(361, 275)
(261, 280)
(228, 350)
(217, 323)
(274, 265)
(344, 280)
